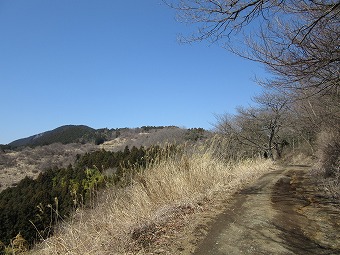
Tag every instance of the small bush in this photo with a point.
(99, 140)
(2, 248)
(19, 244)
(332, 186)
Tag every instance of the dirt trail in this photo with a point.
(282, 213)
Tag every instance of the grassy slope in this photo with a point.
(126, 221)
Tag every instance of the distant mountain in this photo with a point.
(143, 136)
(64, 134)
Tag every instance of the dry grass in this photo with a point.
(328, 164)
(126, 220)
(329, 152)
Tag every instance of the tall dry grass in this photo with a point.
(117, 223)
(329, 162)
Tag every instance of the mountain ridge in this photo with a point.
(67, 134)
(64, 134)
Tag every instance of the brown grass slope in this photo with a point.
(137, 219)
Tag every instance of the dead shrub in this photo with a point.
(329, 152)
(332, 186)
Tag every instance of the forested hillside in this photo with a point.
(64, 134)
(18, 162)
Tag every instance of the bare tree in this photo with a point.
(258, 128)
(297, 41)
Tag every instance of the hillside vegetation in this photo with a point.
(18, 162)
(63, 177)
(134, 200)
(28, 207)
(26, 161)
(133, 219)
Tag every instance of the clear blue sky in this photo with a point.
(110, 63)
